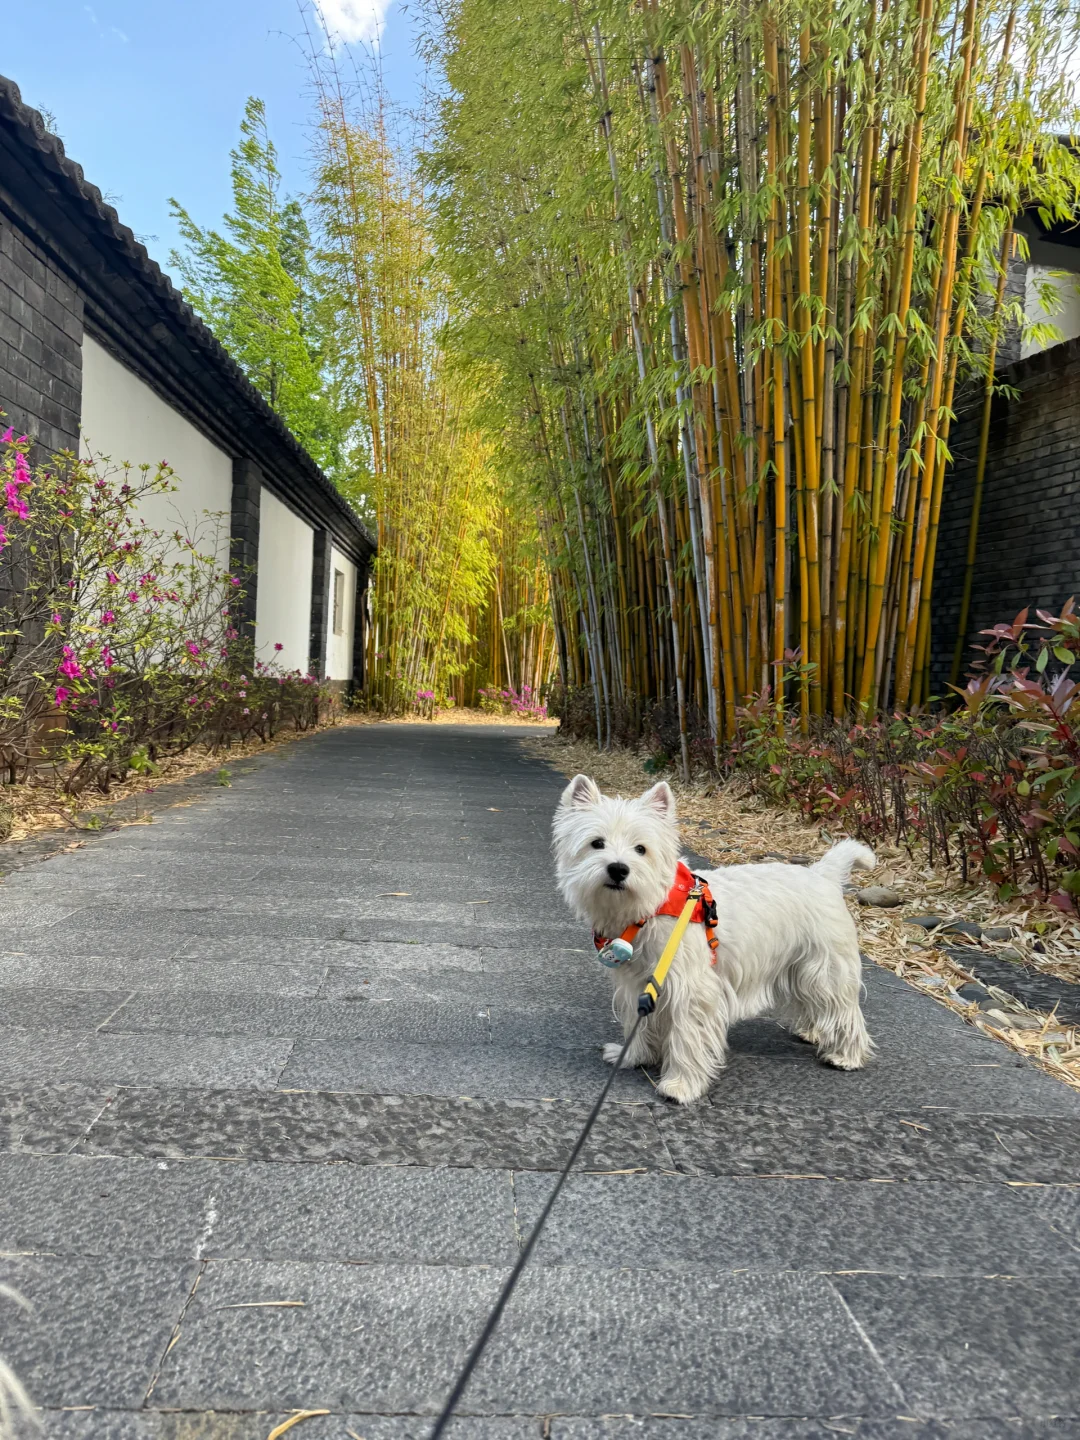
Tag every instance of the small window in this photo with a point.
(339, 602)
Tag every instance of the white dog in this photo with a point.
(787, 945)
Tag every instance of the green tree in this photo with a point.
(253, 283)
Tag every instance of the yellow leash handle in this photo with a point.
(651, 994)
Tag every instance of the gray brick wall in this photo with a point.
(41, 329)
(1029, 534)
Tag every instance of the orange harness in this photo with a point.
(704, 910)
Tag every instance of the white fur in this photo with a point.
(788, 945)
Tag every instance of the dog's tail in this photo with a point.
(848, 855)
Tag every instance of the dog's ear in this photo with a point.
(660, 799)
(580, 794)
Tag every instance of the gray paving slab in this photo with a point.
(985, 1346)
(359, 1017)
(97, 1328)
(257, 950)
(580, 1027)
(902, 1145)
(177, 1059)
(345, 959)
(387, 1338)
(149, 975)
(532, 1072)
(49, 1118)
(433, 1216)
(78, 1205)
(1055, 1205)
(982, 1081)
(278, 1095)
(217, 1425)
(807, 1225)
(36, 1007)
(28, 1054)
(581, 996)
(305, 1127)
(759, 1427)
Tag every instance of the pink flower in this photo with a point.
(193, 700)
(233, 580)
(69, 666)
(22, 470)
(193, 649)
(3, 537)
(55, 619)
(278, 645)
(8, 435)
(108, 659)
(245, 711)
(133, 595)
(242, 694)
(107, 617)
(243, 679)
(112, 577)
(61, 694)
(16, 504)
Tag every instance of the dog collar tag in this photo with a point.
(615, 953)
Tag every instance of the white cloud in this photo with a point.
(349, 21)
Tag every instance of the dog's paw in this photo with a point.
(843, 1060)
(681, 1089)
(612, 1051)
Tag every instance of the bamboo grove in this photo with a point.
(450, 557)
(736, 266)
(337, 310)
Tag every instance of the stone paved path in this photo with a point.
(238, 1070)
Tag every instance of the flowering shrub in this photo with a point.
(118, 641)
(525, 703)
(992, 785)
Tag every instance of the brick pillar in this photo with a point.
(320, 601)
(244, 540)
(360, 627)
(41, 336)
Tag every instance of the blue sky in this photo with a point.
(148, 94)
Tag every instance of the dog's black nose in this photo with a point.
(618, 871)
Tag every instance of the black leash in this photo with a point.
(515, 1274)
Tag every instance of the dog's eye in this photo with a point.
(640, 849)
(598, 844)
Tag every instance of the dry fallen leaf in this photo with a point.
(279, 1430)
(388, 894)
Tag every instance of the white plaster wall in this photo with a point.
(339, 647)
(1067, 314)
(283, 601)
(125, 420)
